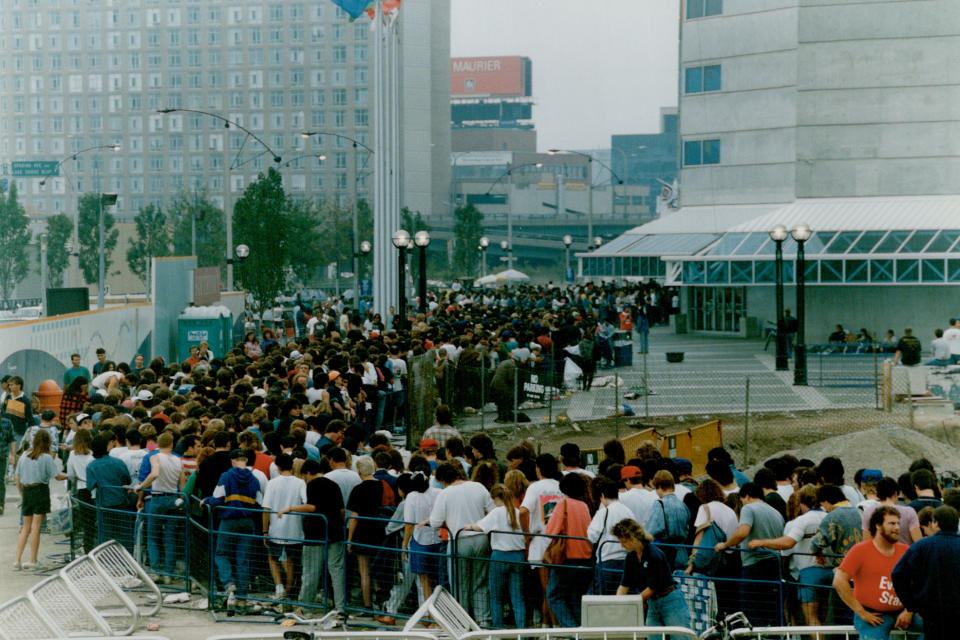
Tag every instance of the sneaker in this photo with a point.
(279, 593)
(31, 565)
(17, 566)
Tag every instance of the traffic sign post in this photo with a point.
(34, 168)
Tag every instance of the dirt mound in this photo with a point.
(887, 447)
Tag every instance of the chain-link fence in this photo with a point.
(762, 410)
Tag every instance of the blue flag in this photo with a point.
(353, 7)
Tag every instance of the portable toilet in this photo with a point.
(211, 324)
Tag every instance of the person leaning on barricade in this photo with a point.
(108, 480)
(648, 572)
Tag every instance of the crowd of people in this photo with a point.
(284, 443)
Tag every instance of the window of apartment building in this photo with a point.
(703, 8)
(256, 35)
(359, 53)
(276, 98)
(361, 97)
(337, 32)
(360, 31)
(699, 152)
(276, 35)
(700, 79)
(360, 76)
(318, 97)
(339, 119)
(317, 33)
(361, 118)
(339, 54)
(296, 33)
(275, 11)
(339, 97)
(296, 98)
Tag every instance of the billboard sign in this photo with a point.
(494, 77)
(34, 168)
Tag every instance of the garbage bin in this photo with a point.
(622, 349)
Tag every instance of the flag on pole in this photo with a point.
(356, 8)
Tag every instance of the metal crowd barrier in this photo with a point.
(812, 633)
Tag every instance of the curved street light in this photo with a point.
(778, 234)
(484, 243)
(801, 233)
(590, 161)
(227, 214)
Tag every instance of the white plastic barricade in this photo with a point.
(827, 632)
(71, 613)
(444, 609)
(103, 594)
(20, 620)
(586, 633)
(129, 575)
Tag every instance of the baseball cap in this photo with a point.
(82, 416)
(333, 375)
(682, 465)
(871, 475)
(237, 454)
(144, 395)
(295, 354)
(630, 471)
(429, 443)
(48, 414)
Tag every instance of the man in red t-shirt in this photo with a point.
(869, 564)
(626, 319)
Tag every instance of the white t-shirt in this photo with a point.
(459, 505)
(117, 452)
(399, 368)
(785, 491)
(100, 381)
(803, 530)
(639, 501)
(346, 479)
(316, 394)
(77, 468)
(261, 478)
(599, 531)
(724, 516)
(540, 500)
(417, 508)
(952, 336)
(132, 458)
(282, 492)
(497, 520)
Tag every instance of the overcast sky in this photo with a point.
(600, 67)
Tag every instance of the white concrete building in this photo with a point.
(78, 74)
(838, 114)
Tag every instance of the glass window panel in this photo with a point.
(764, 271)
(788, 271)
(694, 83)
(717, 272)
(768, 248)
(751, 244)
(741, 272)
(711, 152)
(712, 7)
(811, 271)
(917, 241)
(816, 243)
(943, 242)
(711, 78)
(727, 244)
(831, 271)
(867, 241)
(842, 242)
(693, 272)
(892, 242)
(953, 270)
(881, 270)
(857, 271)
(908, 270)
(691, 153)
(932, 270)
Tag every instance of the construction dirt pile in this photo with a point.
(887, 447)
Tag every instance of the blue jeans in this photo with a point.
(668, 611)
(882, 630)
(233, 552)
(936, 363)
(162, 530)
(566, 586)
(644, 338)
(506, 574)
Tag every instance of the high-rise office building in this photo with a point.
(78, 74)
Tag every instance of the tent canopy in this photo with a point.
(507, 277)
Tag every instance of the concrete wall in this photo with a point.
(39, 350)
(875, 308)
(173, 284)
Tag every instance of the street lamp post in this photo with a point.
(778, 235)
(356, 215)
(106, 199)
(76, 217)
(506, 247)
(567, 241)
(227, 213)
(484, 243)
(509, 174)
(590, 160)
(801, 233)
(43, 275)
(400, 239)
(365, 248)
(422, 240)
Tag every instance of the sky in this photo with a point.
(600, 67)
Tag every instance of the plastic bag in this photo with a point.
(571, 372)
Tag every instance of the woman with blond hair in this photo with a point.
(507, 557)
(35, 469)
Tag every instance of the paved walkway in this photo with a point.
(712, 379)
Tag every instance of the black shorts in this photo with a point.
(36, 500)
(294, 551)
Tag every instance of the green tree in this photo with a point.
(334, 241)
(88, 230)
(467, 229)
(59, 232)
(14, 238)
(152, 240)
(211, 228)
(265, 220)
(303, 224)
